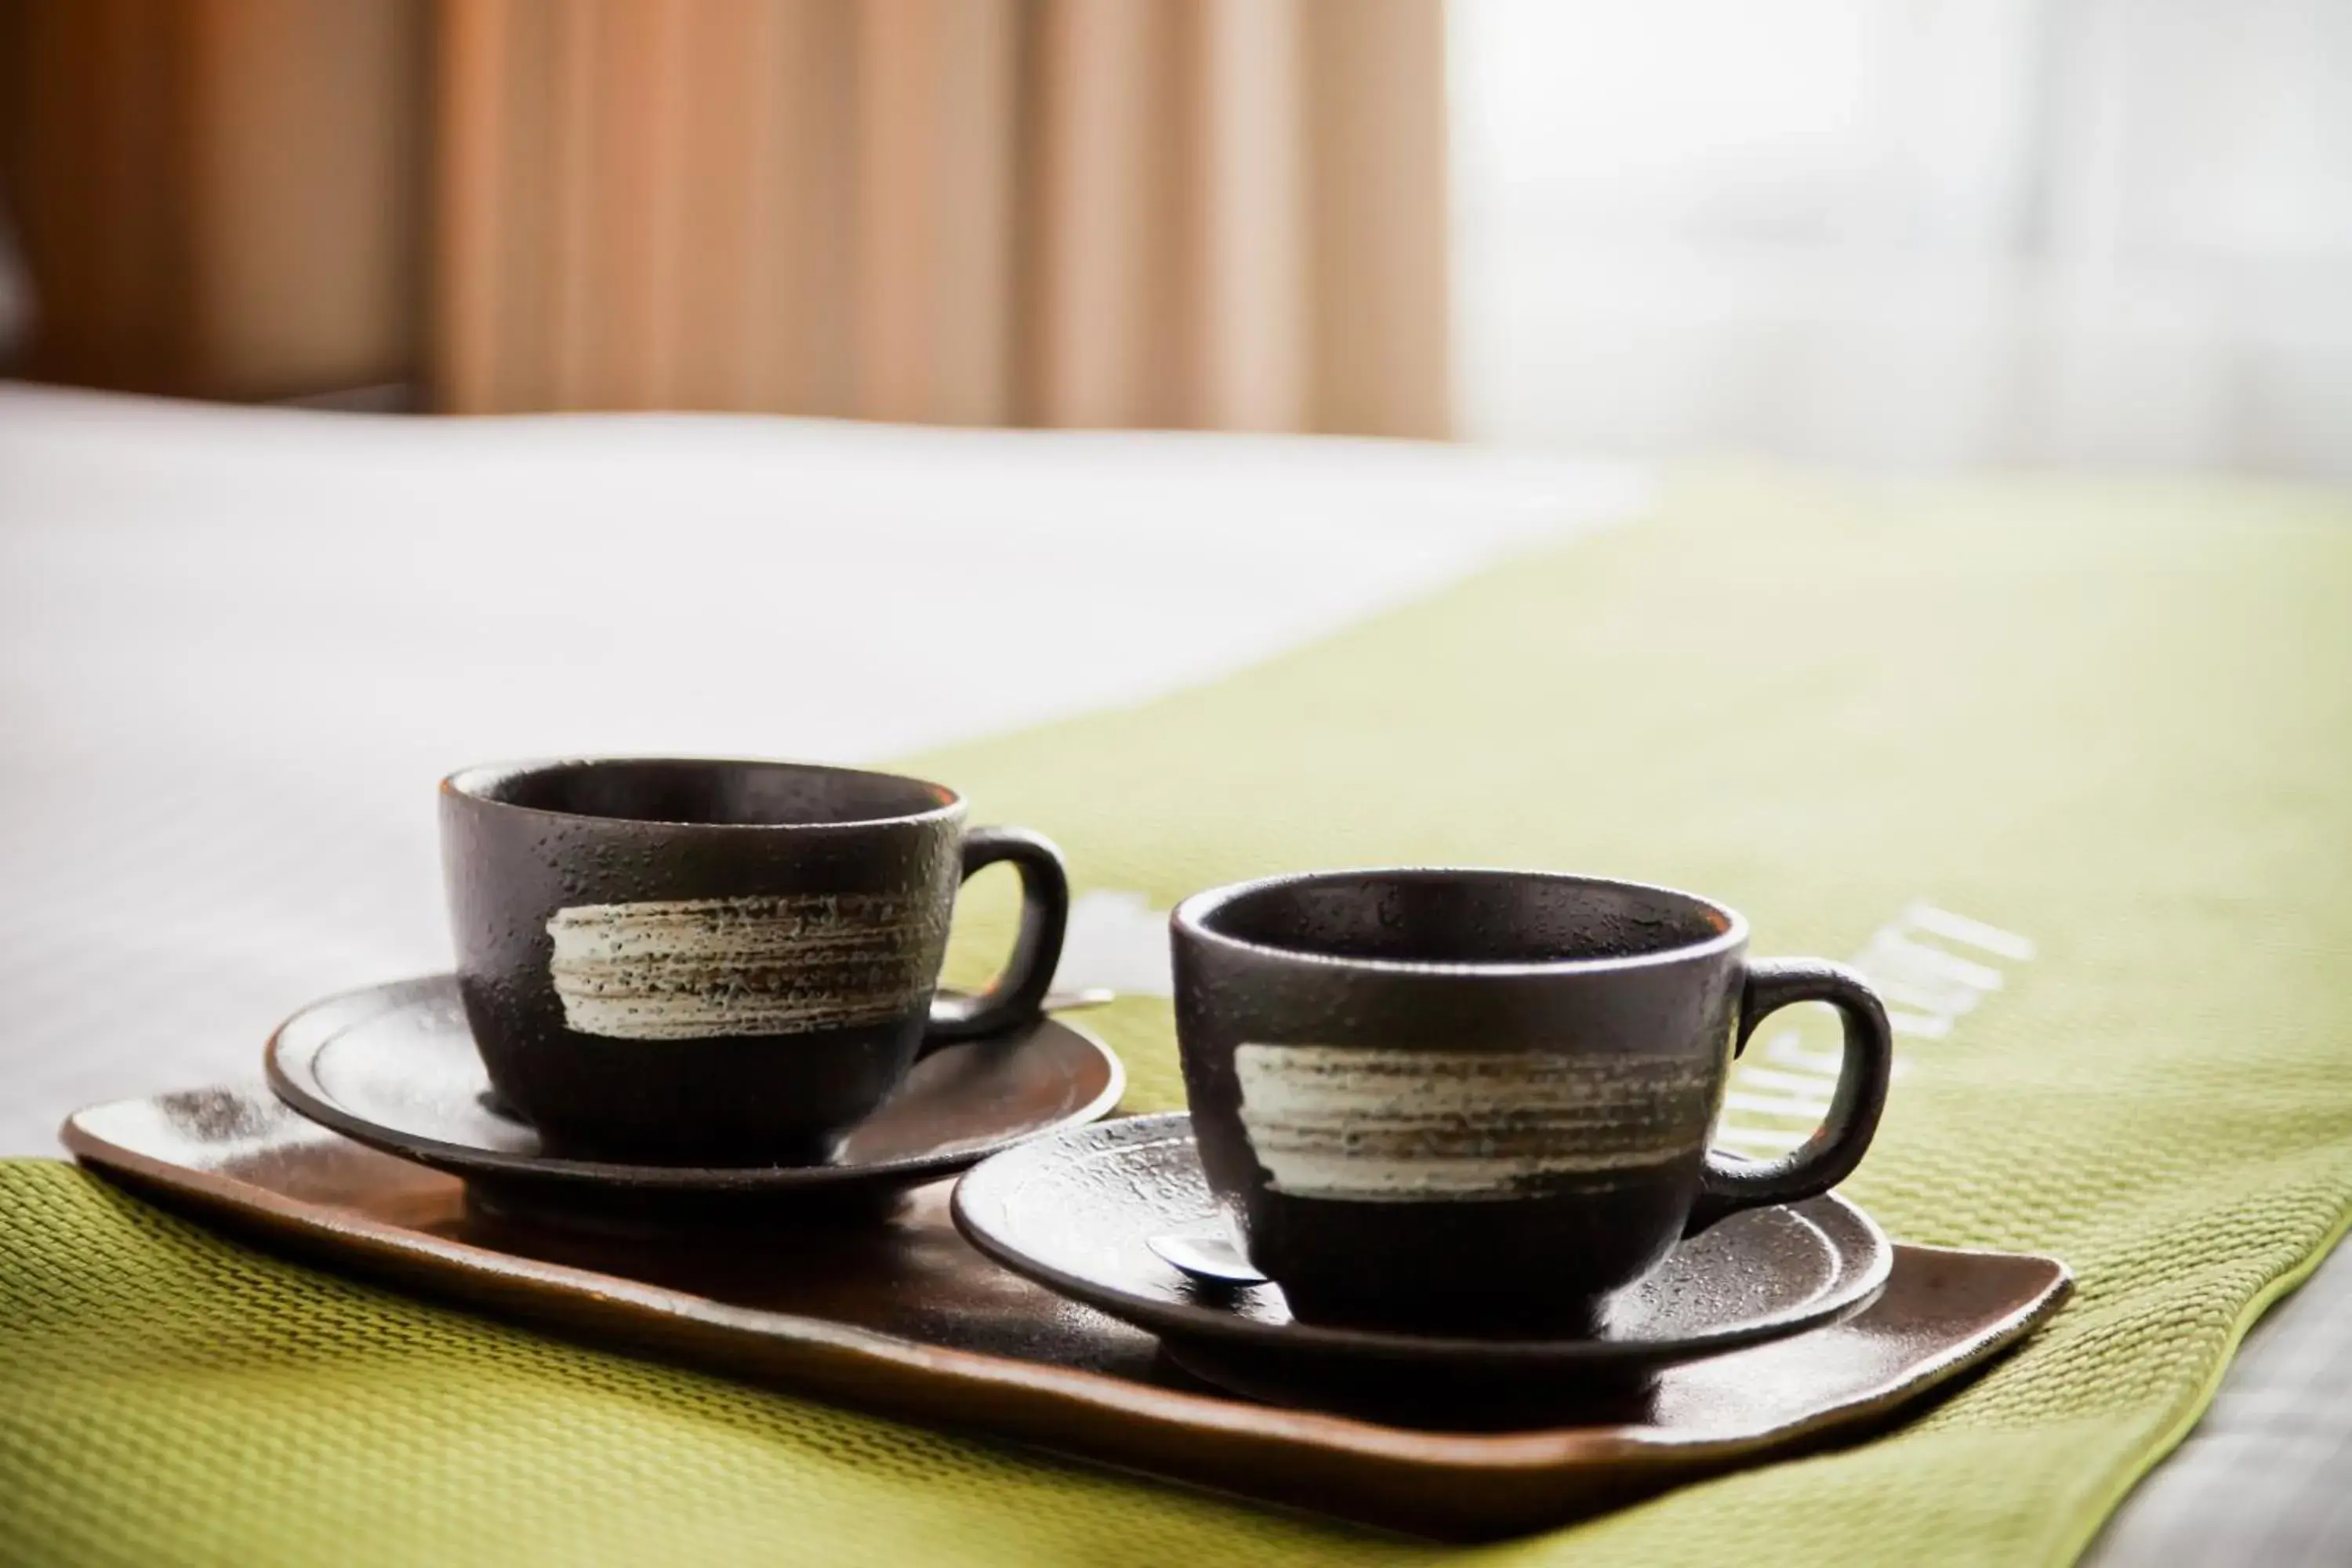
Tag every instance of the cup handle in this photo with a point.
(1729, 1183)
(1015, 995)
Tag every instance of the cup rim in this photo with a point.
(473, 784)
(1192, 916)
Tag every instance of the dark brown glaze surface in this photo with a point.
(1477, 1102)
(395, 1066)
(1077, 1211)
(904, 1318)
(696, 961)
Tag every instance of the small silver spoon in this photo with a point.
(1206, 1256)
(1075, 999)
(1083, 996)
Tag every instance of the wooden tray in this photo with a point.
(898, 1315)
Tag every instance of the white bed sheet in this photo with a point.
(239, 647)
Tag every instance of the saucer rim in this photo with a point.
(1203, 1322)
(293, 1078)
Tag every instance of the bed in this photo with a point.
(239, 646)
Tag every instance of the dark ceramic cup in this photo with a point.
(1459, 1101)
(719, 961)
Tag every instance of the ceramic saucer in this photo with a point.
(394, 1068)
(1078, 1211)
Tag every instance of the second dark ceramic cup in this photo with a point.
(1465, 1101)
(719, 961)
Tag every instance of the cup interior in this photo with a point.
(1465, 918)
(706, 793)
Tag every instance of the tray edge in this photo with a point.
(1460, 1486)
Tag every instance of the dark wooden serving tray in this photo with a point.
(896, 1313)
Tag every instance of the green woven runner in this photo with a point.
(2113, 722)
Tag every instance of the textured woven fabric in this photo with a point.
(2112, 720)
(2262, 1478)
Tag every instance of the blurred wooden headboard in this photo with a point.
(1221, 213)
(217, 198)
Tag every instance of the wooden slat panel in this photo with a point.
(1250, 337)
(93, 118)
(1106, 256)
(935, 202)
(472, 50)
(802, 335)
(304, 191)
(1377, 183)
